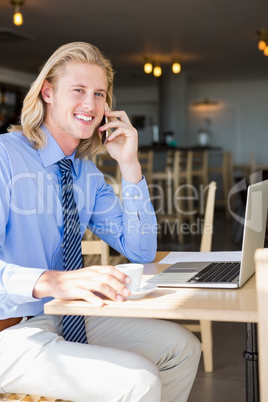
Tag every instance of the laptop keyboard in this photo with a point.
(217, 272)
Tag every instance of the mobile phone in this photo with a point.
(105, 133)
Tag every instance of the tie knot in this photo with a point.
(65, 165)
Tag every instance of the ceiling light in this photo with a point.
(152, 66)
(261, 44)
(206, 102)
(265, 52)
(263, 40)
(157, 71)
(148, 67)
(17, 17)
(176, 67)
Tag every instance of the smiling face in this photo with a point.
(75, 105)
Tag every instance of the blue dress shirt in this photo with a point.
(31, 220)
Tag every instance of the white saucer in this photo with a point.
(145, 289)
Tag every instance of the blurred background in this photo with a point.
(222, 86)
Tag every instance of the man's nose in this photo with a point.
(89, 102)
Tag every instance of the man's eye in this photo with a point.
(78, 90)
(99, 94)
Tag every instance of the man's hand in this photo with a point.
(82, 284)
(122, 145)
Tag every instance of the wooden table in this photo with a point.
(235, 305)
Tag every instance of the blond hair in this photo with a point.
(34, 108)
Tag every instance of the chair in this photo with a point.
(183, 168)
(200, 167)
(261, 262)
(206, 239)
(96, 252)
(204, 326)
(111, 171)
(95, 247)
(163, 180)
(225, 169)
(146, 162)
(177, 174)
(183, 179)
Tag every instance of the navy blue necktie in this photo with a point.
(73, 326)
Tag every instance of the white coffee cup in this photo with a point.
(134, 272)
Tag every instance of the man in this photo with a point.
(123, 359)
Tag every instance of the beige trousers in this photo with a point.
(126, 360)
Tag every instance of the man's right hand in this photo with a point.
(83, 284)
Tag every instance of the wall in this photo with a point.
(14, 77)
(238, 123)
(141, 101)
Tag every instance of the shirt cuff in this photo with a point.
(135, 196)
(29, 277)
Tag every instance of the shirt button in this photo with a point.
(142, 233)
(127, 194)
(136, 197)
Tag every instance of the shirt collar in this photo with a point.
(52, 152)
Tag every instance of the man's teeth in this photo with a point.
(85, 118)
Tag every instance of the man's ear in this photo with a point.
(46, 92)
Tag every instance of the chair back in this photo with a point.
(169, 160)
(111, 171)
(182, 167)
(200, 166)
(146, 162)
(95, 247)
(207, 234)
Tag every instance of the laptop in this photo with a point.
(225, 274)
